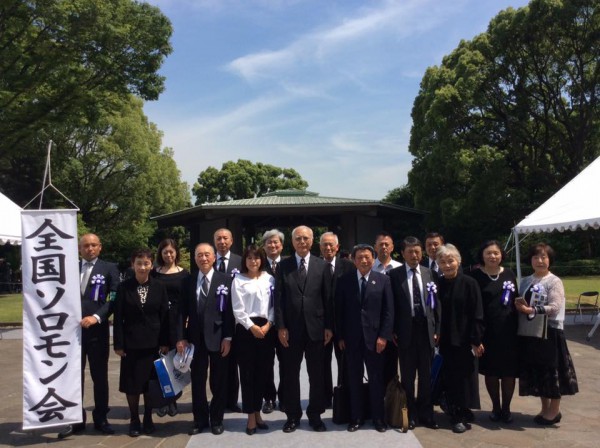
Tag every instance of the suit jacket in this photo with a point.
(297, 305)
(374, 316)
(234, 262)
(207, 325)
(342, 265)
(403, 306)
(103, 306)
(137, 327)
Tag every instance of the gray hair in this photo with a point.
(445, 250)
(310, 232)
(271, 233)
(329, 234)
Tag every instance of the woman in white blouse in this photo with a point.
(252, 302)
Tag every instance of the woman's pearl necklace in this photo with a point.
(491, 277)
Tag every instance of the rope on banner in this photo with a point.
(47, 182)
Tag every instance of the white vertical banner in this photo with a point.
(51, 315)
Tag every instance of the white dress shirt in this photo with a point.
(251, 297)
(379, 267)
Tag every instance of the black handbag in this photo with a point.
(341, 400)
(154, 397)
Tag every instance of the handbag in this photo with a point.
(396, 409)
(535, 328)
(154, 398)
(341, 400)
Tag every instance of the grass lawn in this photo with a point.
(11, 306)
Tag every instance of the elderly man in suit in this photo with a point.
(364, 320)
(416, 327)
(272, 241)
(228, 262)
(303, 316)
(99, 282)
(330, 246)
(206, 308)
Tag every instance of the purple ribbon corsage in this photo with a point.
(271, 296)
(431, 292)
(537, 288)
(222, 292)
(507, 288)
(234, 272)
(97, 292)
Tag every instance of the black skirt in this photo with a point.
(137, 368)
(547, 368)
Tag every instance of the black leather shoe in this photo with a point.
(250, 431)
(458, 428)
(197, 428)
(380, 426)
(353, 426)
(135, 429)
(540, 420)
(268, 407)
(468, 415)
(290, 425)
(506, 417)
(70, 430)
(172, 409)
(217, 429)
(412, 424)
(431, 424)
(148, 427)
(234, 408)
(104, 427)
(317, 425)
(262, 425)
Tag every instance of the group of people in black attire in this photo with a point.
(375, 312)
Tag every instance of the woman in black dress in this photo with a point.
(460, 335)
(141, 329)
(500, 362)
(546, 368)
(173, 277)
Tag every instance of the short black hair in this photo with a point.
(363, 247)
(254, 250)
(410, 241)
(435, 235)
(142, 252)
(542, 248)
(487, 244)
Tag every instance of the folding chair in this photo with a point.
(586, 304)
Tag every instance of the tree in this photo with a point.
(64, 62)
(403, 196)
(119, 176)
(244, 179)
(507, 119)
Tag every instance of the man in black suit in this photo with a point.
(364, 319)
(99, 280)
(416, 327)
(330, 246)
(272, 241)
(433, 240)
(207, 310)
(230, 263)
(303, 316)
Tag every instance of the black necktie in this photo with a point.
(418, 309)
(433, 266)
(363, 289)
(274, 267)
(222, 265)
(302, 272)
(331, 268)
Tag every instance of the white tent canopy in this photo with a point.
(10, 221)
(574, 206)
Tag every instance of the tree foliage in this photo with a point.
(507, 119)
(63, 62)
(244, 179)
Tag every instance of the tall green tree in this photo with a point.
(65, 65)
(507, 118)
(244, 179)
(119, 175)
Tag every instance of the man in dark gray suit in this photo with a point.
(303, 316)
(99, 281)
(230, 263)
(416, 327)
(206, 309)
(364, 319)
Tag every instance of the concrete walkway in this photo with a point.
(580, 426)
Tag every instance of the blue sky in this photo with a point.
(322, 86)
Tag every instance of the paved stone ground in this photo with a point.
(580, 426)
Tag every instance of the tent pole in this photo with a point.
(518, 256)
